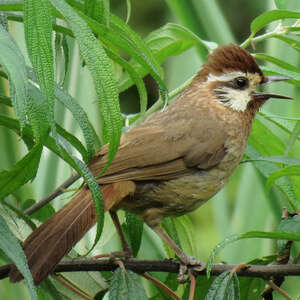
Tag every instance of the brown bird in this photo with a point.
(171, 164)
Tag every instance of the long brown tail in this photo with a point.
(47, 245)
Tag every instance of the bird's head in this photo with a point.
(233, 76)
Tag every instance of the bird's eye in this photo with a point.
(240, 83)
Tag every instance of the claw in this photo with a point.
(189, 263)
(182, 271)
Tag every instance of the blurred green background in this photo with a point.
(242, 205)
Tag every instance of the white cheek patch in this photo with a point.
(236, 99)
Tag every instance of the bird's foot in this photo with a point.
(187, 265)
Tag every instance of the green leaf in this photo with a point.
(134, 76)
(270, 16)
(121, 35)
(38, 35)
(101, 71)
(186, 234)
(285, 123)
(173, 39)
(11, 5)
(90, 284)
(293, 138)
(277, 62)
(20, 214)
(249, 234)
(50, 142)
(134, 227)
(29, 142)
(292, 42)
(38, 113)
(49, 290)
(171, 230)
(288, 171)
(12, 248)
(140, 51)
(283, 184)
(23, 171)
(125, 285)
(81, 117)
(93, 185)
(251, 288)
(13, 61)
(224, 287)
(42, 214)
(263, 142)
(62, 57)
(77, 112)
(275, 70)
(29, 164)
(98, 10)
(280, 4)
(275, 159)
(5, 100)
(73, 141)
(289, 224)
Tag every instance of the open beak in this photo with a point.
(266, 96)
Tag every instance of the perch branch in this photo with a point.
(171, 266)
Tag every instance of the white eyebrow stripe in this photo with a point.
(224, 77)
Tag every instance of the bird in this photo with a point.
(170, 164)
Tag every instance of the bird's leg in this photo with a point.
(185, 259)
(126, 248)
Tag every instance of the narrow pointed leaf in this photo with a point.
(81, 117)
(23, 171)
(101, 71)
(292, 42)
(134, 76)
(275, 159)
(90, 180)
(288, 171)
(173, 39)
(275, 70)
(169, 40)
(121, 35)
(98, 10)
(270, 16)
(78, 114)
(13, 62)
(134, 227)
(260, 137)
(277, 62)
(38, 113)
(293, 138)
(12, 248)
(38, 34)
(247, 235)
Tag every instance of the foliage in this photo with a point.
(113, 57)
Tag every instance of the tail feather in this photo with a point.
(46, 245)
